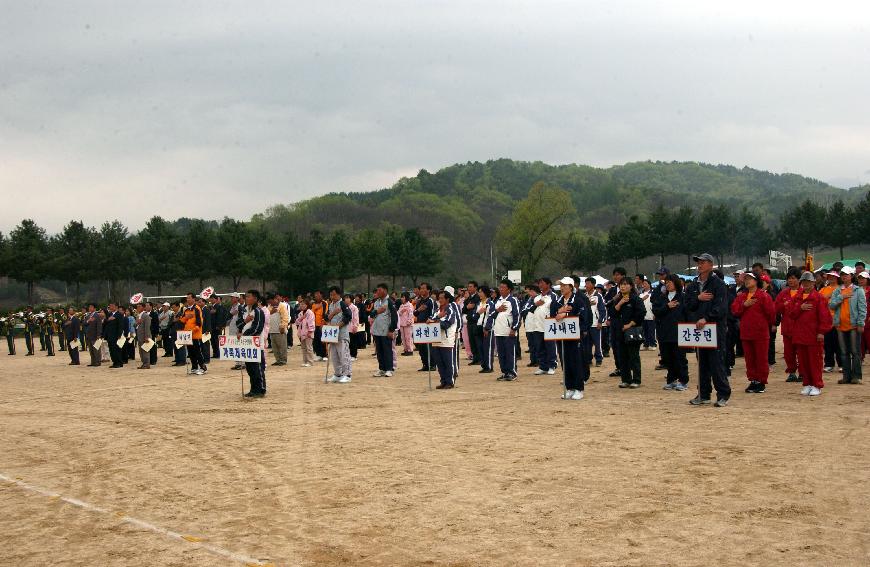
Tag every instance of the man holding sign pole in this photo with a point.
(252, 325)
(339, 315)
(707, 304)
(566, 305)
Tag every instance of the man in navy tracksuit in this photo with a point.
(425, 310)
(611, 297)
(252, 326)
(547, 363)
(505, 324)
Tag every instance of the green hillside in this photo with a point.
(464, 203)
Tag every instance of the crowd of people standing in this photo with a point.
(820, 316)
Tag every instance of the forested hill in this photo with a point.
(464, 203)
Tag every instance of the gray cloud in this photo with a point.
(123, 109)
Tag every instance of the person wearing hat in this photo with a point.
(849, 304)
(832, 347)
(505, 325)
(810, 321)
(706, 304)
(754, 307)
(566, 305)
(785, 297)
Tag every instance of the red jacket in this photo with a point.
(808, 324)
(756, 320)
(782, 300)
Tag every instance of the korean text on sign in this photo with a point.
(568, 329)
(690, 337)
(242, 349)
(329, 334)
(184, 337)
(423, 333)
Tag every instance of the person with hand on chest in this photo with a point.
(754, 307)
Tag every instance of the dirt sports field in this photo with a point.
(127, 467)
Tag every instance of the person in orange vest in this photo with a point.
(832, 352)
(757, 314)
(191, 317)
(319, 308)
(811, 320)
(783, 299)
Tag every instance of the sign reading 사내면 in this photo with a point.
(240, 349)
(568, 329)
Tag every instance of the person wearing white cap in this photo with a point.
(165, 321)
(566, 305)
(849, 304)
(810, 320)
(864, 283)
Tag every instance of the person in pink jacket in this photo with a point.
(406, 321)
(305, 332)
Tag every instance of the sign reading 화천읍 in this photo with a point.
(424, 333)
(688, 336)
(568, 329)
(240, 349)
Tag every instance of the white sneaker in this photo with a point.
(388, 373)
(806, 390)
(538, 372)
(343, 379)
(198, 372)
(551, 371)
(306, 365)
(567, 394)
(578, 395)
(353, 359)
(378, 374)
(829, 369)
(814, 391)
(332, 378)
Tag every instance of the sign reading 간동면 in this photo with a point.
(329, 334)
(240, 349)
(690, 337)
(568, 329)
(425, 333)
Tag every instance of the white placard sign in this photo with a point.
(568, 329)
(690, 337)
(426, 333)
(184, 338)
(240, 349)
(329, 334)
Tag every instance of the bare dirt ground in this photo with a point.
(117, 467)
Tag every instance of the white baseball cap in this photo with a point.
(166, 303)
(865, 275)
(567, 280)
(847, 270)
(449, 289)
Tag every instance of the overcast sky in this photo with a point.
(122, 109)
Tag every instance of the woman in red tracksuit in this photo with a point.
(754, 307)
(783, 299)
(811, 320)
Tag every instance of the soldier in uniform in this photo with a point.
(47, 325)
(30, 325)
(8, 326)
(60, 319)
